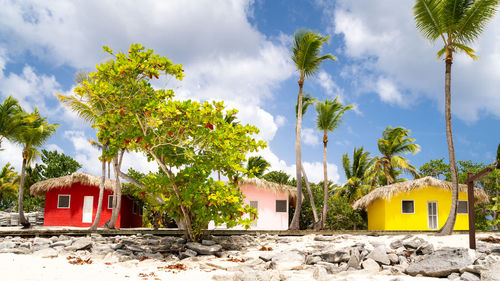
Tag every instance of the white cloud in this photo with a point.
(390, 47)
(12, 154)
(310, 136)
(280, 120)
(388, 92)
(326, 82)
(53, 146)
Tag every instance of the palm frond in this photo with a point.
(467, 50)
(84, 110)
(306, 50)
(474, 21)
(427, 17)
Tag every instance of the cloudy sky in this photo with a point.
(239, 51)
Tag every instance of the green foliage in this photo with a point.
(278, 177)
(57, 164)
(342, 216)
(9, 183)
(307, 100)
(306, 52)
(12, 119)
(256, 166)
(390, 164)
(435, 168)
(357, 175)
(191, 138)
(329, 114)
(494, 208)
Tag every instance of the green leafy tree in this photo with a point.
(307, 58)
(12, 118)
(357, 174)
(390, 164)
(33, 135)
(257, 165)
(57, 164)
(435, 168)
(9, 183)
(188, 140)
(329, 117)
(458, 23)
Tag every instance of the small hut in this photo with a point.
(271, 200)
(72, 201)
(421, 204)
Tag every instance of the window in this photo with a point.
(407, 207)
(110, 201)
(254, 204)
(134, 208)
(63, 201)
(462, 207)
(281, 206)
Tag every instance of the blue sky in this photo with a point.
(239, 52)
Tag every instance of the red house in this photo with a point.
(72, 201)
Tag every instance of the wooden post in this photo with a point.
(472, 214)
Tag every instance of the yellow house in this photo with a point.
(422, 204)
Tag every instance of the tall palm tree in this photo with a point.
(307, 100)
(9, 180)
(11, 119)
(257, 165)
(457, 23)
(306, 55)
(277, 177)
(390, 164)
(329, 117)
(357, 173)
(32, 136)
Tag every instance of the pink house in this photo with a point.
(271, 201)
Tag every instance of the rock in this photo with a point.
(335, 256)
(425, 249)
(379, 255)
(414, 243)
(311, 260)
(467, 276)
(41, 241)
(80, 244)
(223, 277)
(441, 263)
(46, 253)
(393, 258)
(22, 251)
(355, 259)
(370, 265)
(64, 243)
(207, 242)
(324, 238)
(203, 249)
(102, 248)
(473, 269)
(7, 245)
(396, 244)
(134, 248)
(492, 273)
(320, 274)
(268, 275)
(331, 268)
(288, 261)
(453, 276)
(187, 254)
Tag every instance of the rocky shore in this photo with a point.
(264, 257)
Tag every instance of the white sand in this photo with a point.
(33, 268)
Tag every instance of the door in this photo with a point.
(432, 215)
(88, 202)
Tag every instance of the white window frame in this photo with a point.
(59, 198)
(110, 199)
(403, 209)
(466, 203)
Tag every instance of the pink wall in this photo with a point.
(268, 218)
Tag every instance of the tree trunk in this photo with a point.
(294, 225)
(325, 181)
(109, 170)
(24, 222)
(117, 200)
(317, 223)
(97, 218)
(447, 228)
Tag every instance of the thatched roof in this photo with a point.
(40, 188)
(275, 187)
(388, 191)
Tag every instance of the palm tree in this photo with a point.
(458, 23)
(390, 164)
(11, 119)
(277, 177)
(357, 173)
(328, 119)
(307, 100)
(9, 180)
(257, 165)
(32, 136)
(306, 55)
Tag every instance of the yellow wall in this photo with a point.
(387, 214)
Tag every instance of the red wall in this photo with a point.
(73, 215)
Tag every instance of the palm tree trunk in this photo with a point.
(294, 225)
(117, 200)
(311, 198)
(325, 181)
(25, 223)
(447, 228)
(101, 195)
(109, 170)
